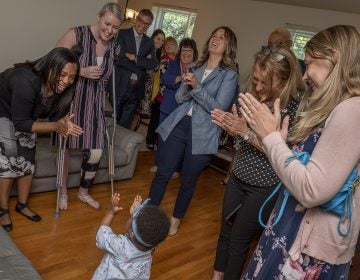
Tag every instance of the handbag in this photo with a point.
(341, 204)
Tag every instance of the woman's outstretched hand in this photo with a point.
(66, 127)
(259, 117)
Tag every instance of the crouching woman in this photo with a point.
(30, 91)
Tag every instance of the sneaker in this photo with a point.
(153, 169)
(63, 202)
(174, 226)
(87, 199)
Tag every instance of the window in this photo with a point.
(176, 22)
(300, 36)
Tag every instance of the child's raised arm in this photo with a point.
(112, 211)
(134, 205)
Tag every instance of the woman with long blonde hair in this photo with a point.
(308, 242)
(275, 74)
(98, 46)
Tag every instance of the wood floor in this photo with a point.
(65, 248)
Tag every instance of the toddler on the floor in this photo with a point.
(129, 256)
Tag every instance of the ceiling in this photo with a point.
(347, 6)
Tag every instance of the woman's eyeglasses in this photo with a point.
(274, 54)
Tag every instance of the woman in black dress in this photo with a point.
(42, 89)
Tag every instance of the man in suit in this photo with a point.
(137, 54)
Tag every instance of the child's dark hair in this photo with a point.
(152, 225)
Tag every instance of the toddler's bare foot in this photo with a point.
(137, 201)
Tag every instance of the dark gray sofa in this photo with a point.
(13, 264)
(126, 148)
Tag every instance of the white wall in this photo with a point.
(30, 28)
(252, 21)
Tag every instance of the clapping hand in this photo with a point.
(66, 127)
(259, 117)
(190, 80)
(230, 122)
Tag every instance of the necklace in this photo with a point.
(207, 72)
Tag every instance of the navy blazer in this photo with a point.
(169, 102)
(218, 90)
(124, 67)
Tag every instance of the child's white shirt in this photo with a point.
(122, 260)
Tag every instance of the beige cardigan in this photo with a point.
(334, 156)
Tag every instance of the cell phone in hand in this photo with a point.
(231, 217)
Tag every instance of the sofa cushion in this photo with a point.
(46, 155)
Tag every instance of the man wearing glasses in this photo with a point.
(137, 54)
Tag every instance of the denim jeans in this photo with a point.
(173, 152)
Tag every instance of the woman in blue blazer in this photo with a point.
(188, 134)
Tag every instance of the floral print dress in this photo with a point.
(271, 260)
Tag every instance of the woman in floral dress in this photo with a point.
(306, 244)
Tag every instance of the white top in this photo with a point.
(206, 73)
(122, 260)
(99, 60)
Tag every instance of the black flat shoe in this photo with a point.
(7, 227)
(151, 147)
(19, 206)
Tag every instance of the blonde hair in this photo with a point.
(286, 69)
(171, 39)
(229, 55)
(340, 45)
(113, 8)
(284, 34)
